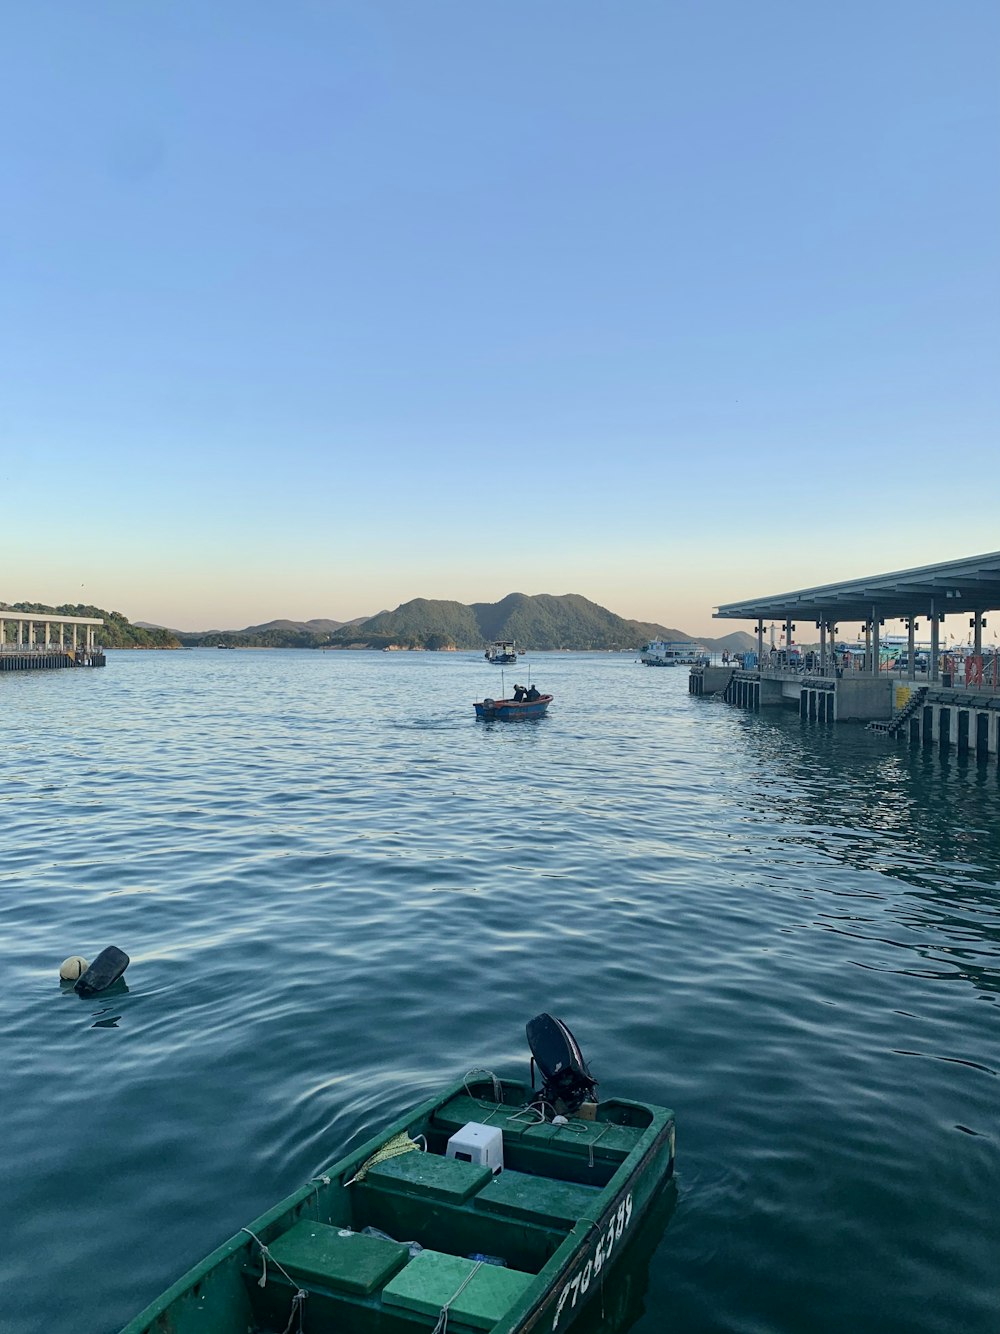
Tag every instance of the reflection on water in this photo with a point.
(621, 1300)
(918, 817)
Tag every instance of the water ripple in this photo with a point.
(339, 890)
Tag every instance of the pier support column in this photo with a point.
(963, 731)
(979, 732)
(760, 642)
(992, 724)
(945, 730)
(822, 647)
(876, 642)
(977, 634)
(74, 638)
(935, 666)
(911, 655)
(868, 646)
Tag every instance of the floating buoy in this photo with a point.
(73, 967)
(106, 969)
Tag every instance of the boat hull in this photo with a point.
(627, 1154)
(510, 710)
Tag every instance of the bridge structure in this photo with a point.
(953, 698)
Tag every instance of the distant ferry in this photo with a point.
(674, 653)
(502, 652)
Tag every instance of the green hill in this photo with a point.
(538, 623)
(117, 632)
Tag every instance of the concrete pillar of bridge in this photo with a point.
(868, 646)
(760, 640)
(991, 733)
(876, 642)
(822, 647)
(934, 673)
(977, 633)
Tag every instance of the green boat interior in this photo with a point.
(403, 1234)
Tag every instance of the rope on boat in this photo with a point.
(537, 1107)
(266, 1255)
(298, 1301)
(497, 1087)
(442, 1321)
(392, 1148)
(316, 1182)
(298, 1304)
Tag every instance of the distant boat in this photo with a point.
(511, 710)
(502, 652)
(674, 653)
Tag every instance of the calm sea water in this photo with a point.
(340, 890)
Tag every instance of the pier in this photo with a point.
(37, 641)
(945, 696)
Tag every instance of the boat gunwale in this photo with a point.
(525, 1314)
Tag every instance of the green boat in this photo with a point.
(492, 1208)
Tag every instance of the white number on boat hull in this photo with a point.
(606, 1243)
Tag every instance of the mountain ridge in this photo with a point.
(537, 622)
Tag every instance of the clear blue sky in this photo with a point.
(310, 308)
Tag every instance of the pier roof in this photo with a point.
(968, 585)
(47, 618)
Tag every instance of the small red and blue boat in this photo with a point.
(510, 710)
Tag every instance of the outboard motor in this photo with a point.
(567, 1083)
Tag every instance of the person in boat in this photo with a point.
(519, 694)
(532, 695)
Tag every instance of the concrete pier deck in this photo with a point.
(954, 701)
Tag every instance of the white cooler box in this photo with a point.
(476, 1143)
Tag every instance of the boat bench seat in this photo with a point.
(611, 1141)
(337, 1258)
(449, 1180)
(432, 1280)
(533, 1199)
(462, 1109)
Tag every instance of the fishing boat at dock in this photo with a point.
(492, 1207)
